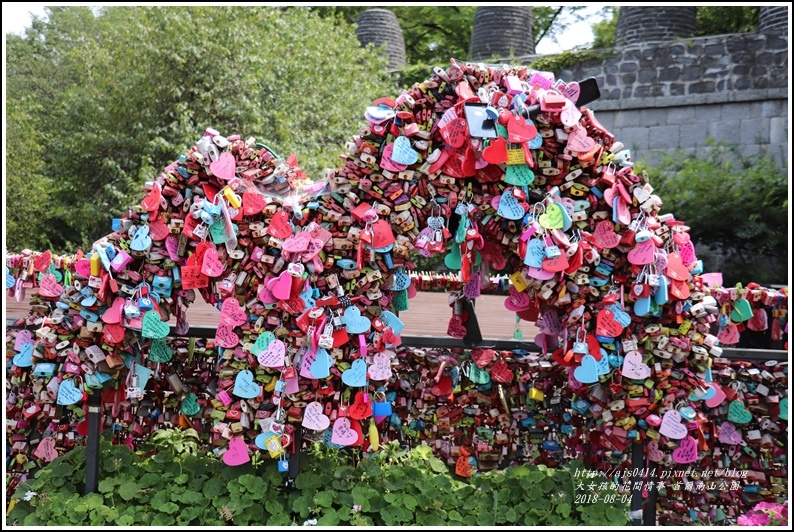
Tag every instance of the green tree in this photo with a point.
(109, 99)
(736, 208)
(605, 29)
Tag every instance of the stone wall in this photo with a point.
(658, 97)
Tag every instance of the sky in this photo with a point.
(17, 17)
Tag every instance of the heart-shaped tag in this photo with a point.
(355, 323)
(550, 322)
(455, 329)
(273, 355)
(158, 230)
(402, 152)
(605, 235)
(211, 266)
(519, 130)
(716, 399)
(224, 167)
(49, 286)
(587, 372)
(729, 435)
(602, 365)
(455, 132)
(517, 301)
(742, 310)
(280, 226)
(501, 373)
(68, 394)
(509, 207)
(380, 370)
(41, 262)
(654, 454)
(572, 91)
(265, 295)
(46, 450)
(391, 320)
(24, 358)
(314, 418)
(401, 280)
(342, 433)
(153, 326)
(642, 253)
(254, 203)
(465, 465)
(320, 368)
(633, 368)
(113, 333)
(579, 142)
(759, 321)
(83, 268)
(496, 151)
(570, 115)
(113, 314)
(783, 414)
(281, 286)
(245, 386)
(607, 325)
(672, 426)
(263, 341)
(687, 451)
(387, 163)
(297, 243)
(553, 217)
(519, 174)
(141, 241)
(231, 313)
(226, 337)
(483, 357)
(535, 253)
(555, 264)
(23, 337)
(729, 335)
(442, 387)
(738, 414)
(237, 454)
(356, 376)
(472, 288)
(359, 410)
(160, 352)
(675, 267)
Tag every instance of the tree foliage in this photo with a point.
(98, 102)
(736, 208)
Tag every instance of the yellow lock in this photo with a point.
(536, 394)
(374, 437)
(518, 281)
(232, 198)
(96, 264)
(274, 446)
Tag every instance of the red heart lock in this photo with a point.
(501, 373)
(519, 130)
(483, 357)
(455, 132)
(340, 337)
(496, 151)
(443, 387)
(359, 411)
(158, 230)
(254, 203)
(555, 264)
(531, 314)
(151, 203)
(562, 357)
(280, 226)
(607, 325)
(42, 261)
(455, 329)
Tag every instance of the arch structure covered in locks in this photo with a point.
(499, 169)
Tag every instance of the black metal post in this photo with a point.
(649, 512)
(92, 443)
(637, 464)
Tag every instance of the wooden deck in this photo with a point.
(428, 315)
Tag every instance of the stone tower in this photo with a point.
(638, 24)
(502, 32)
(773, 18)
(379, 27)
